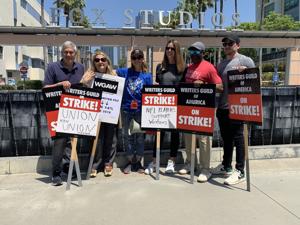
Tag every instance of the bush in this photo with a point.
(29, 84)
(7, 87)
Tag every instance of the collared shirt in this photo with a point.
(56, 72)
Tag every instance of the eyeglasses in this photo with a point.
(230, 44)
(137, 57)
(69, 52)
(170, 48)
(195, 52)
(101, 59)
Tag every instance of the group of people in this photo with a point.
(171, 71)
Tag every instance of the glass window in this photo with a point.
(289, 4)
(37, 63)
(269, 8)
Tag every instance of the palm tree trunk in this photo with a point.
(43, 23)
(261, 14)
(199, 11)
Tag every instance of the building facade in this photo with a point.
(23, 13)
(289, 57)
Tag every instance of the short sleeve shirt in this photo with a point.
(203, 71)
(56, 73)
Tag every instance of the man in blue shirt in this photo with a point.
(62, 73)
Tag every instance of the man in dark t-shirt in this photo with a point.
(62, 73)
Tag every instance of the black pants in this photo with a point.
(174, 145)
(232, 135)
(106, 146)
(61, 153)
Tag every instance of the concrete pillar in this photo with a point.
(292, 76)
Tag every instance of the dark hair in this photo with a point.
(138, 52)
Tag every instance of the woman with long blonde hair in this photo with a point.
(107, 142)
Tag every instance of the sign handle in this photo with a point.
(74, 160)
(93, 152)
(247, 156)
(193, 150)
(157, 154)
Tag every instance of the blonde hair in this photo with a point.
(178, 57)
(109, 69)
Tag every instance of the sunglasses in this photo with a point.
(230, 44)
(137, 57)
(195, 52)
(101, 59)
(170, 48)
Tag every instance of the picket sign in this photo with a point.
(187, 107)
(245, 103)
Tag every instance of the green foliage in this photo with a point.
(275, 21)
(192, 6)
(248, 26)
(29, 84)
(250, 52)
(7, 87)
(68, 5)
(122, 63)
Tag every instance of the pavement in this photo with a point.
(136, 199)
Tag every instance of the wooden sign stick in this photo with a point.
(247, 156)
(157, 154)
(193, 151)
(74, 160)
(93, 152)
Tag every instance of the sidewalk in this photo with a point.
(141, 200)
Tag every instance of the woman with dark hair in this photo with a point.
(169, 72)
(135, 78)
(107, 143)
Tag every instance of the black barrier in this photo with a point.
(24, 131)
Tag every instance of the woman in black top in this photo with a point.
(169, 72)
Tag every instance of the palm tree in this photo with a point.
(68, 5)
(235, 10)
(194, 7)
(261, 14)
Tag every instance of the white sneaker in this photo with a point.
(150, 168)
(170, 167)
(204, 176)
(235, 178)
(220, 170)
(186, 169)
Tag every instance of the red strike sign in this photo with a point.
(197, 119)
(156, 99)
(87, 104)
(246, 107)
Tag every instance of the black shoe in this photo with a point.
(139, 168)
(127, 168)
(56, 180)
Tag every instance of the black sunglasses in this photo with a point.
(230, 44)
(170, 48)
(101, 59)
(136, 57)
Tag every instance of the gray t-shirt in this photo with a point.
(168, 77)
(223, 68)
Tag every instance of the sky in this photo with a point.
(113, 10)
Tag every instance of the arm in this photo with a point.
(50, 80)
(87, 78)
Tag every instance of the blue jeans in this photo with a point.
(133, 144)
